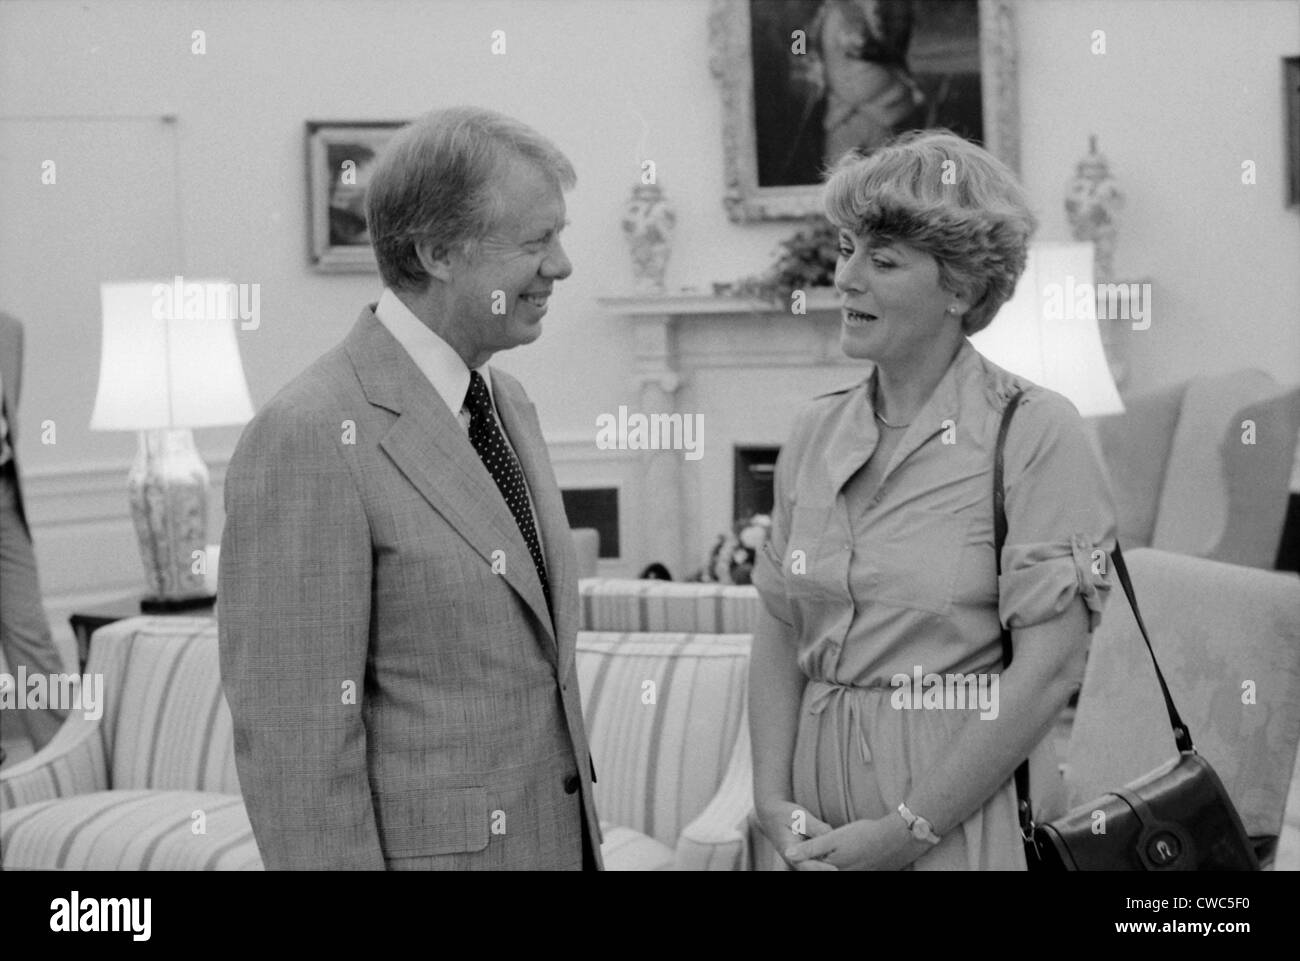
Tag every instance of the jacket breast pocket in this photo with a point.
(916, 566)
(418, 823)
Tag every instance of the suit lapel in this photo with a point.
(429, 447)
(519, 417)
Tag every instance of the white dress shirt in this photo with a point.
(443, 367)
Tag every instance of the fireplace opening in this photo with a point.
(595, 507)
(753, 471)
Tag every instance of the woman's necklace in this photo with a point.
(876, 405)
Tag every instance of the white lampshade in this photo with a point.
(169, 357)
(1047, 332)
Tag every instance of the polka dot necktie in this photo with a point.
(500, 461)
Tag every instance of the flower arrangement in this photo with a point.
(731, 559)
(805, 260)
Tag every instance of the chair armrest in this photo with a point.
(72, 763)
(716, 840)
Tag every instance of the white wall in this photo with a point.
(1186, 91)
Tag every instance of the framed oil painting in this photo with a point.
(804, 81)
(340, 158)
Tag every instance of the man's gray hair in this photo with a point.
(437, 181)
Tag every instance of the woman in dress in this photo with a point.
(880, 566)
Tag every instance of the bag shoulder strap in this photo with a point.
(1182, 736)
(1024, 807)
(999, 498)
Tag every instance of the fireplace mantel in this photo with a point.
(688, 303)
(747, 366)
(679, 332)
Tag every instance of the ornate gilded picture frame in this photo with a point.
(802, 80)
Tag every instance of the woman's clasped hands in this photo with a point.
(809, 844)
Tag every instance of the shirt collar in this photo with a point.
(434, 356)
(856, 436)
(945, 400)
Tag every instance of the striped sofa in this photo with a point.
(618, 604)
(151, 784)
(712, 612)
(670, 740)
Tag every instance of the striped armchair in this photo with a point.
(150, 784)
(670, 741)
(617, 604)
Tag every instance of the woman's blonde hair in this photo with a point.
(947, 196)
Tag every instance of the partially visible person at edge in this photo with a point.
(881, 556)
(25, 637)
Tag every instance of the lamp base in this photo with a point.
(163, 605)
(168, 491)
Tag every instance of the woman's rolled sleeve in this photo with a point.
(1060, 517)
(1039, 581)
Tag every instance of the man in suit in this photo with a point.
(24, 630)
(399, 608)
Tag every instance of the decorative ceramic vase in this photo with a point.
(168, 490)
(1092, 203)
(648, 224)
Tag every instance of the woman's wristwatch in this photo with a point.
(919, 826)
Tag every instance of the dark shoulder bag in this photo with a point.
(1176, 818)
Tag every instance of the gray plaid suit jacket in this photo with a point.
(11, 373)
(397, 702)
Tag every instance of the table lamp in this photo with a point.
(169, 364)
(1048, 332)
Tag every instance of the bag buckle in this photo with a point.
(1027, 826)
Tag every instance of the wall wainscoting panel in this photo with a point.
(85, 543)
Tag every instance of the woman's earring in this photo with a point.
(952, 309)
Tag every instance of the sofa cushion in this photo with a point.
(627, 850)
(719, 839)
(1193, 511)
(586, 544)
(1135, 446)
(166, 725)
(663, 712)
(1228, 640)
(613, 604)
(1258, 477)
(131, 830)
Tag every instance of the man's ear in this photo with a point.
(436, 263)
